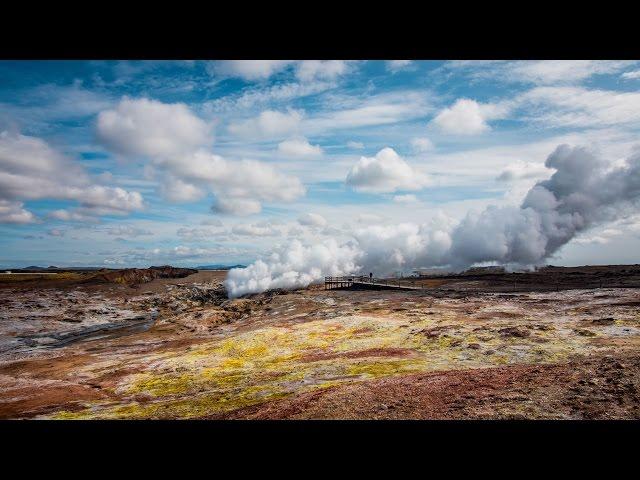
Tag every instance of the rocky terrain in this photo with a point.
(461, 348)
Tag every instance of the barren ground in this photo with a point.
(175, 348)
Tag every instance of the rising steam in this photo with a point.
(584, 191)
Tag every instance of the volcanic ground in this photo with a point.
(562, 345)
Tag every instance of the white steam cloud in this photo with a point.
(584, 191)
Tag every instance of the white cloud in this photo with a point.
(128, 231)
(179, 191)
(467, 117)
(310, 70)
(236, 206)
(70, 216)
(198, 234)
(215, 222)
(13, 212)
(580, 107)
(604, 237)
(541, 72)
(421, 144)
(30, 169)
(369, 218)
(188, 172)
(524, 170)
(261, 95)
(396, 65)
(355, 145)
(386, 172)
(312, 220)
(41, 105)
(409, 198)
(256, 230)
(109, 200)
(383, 109)
(151, 128)
(268, 124)
(562, 71)
(248, 69)
(54, 232)
(633, 75)
(299, 147)
(242, 179)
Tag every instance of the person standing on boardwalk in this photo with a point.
(371, 277)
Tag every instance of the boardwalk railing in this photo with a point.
(365, 281)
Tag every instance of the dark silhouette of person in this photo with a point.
(371, 277)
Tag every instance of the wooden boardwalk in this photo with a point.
(364, 282)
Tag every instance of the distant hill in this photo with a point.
(219, 267)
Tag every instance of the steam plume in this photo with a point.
(584, 191)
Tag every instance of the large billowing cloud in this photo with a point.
(239, 186)
(151, 128)
(584, 191)
(30, 169)
(386, 172)
(172, 138)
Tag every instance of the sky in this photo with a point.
(138, 163)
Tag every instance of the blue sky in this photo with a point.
(110, 163)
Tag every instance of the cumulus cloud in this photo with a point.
(579, 107)
(215, 222)
(312, 220)
(602, 238)
(248, 69)
(561, 71)
(312, 70)
(128, 231)
(198, 234)
(584, 191)
(13, 212)
(397, 65)
(632, 75)
(239, 186)
(386, 172)
(523, 170)
(421, 144)
(541, 72)
(467, 117)
(269, 124)
(355, 145)
(236, 206)
(54, 232)
(405, 198)
(151, 128)
(178, 191)
(179, 254)
(30, 169)
(299, 147)
(70, 216)
(258, 70)
(172, 138)
(262, 229)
